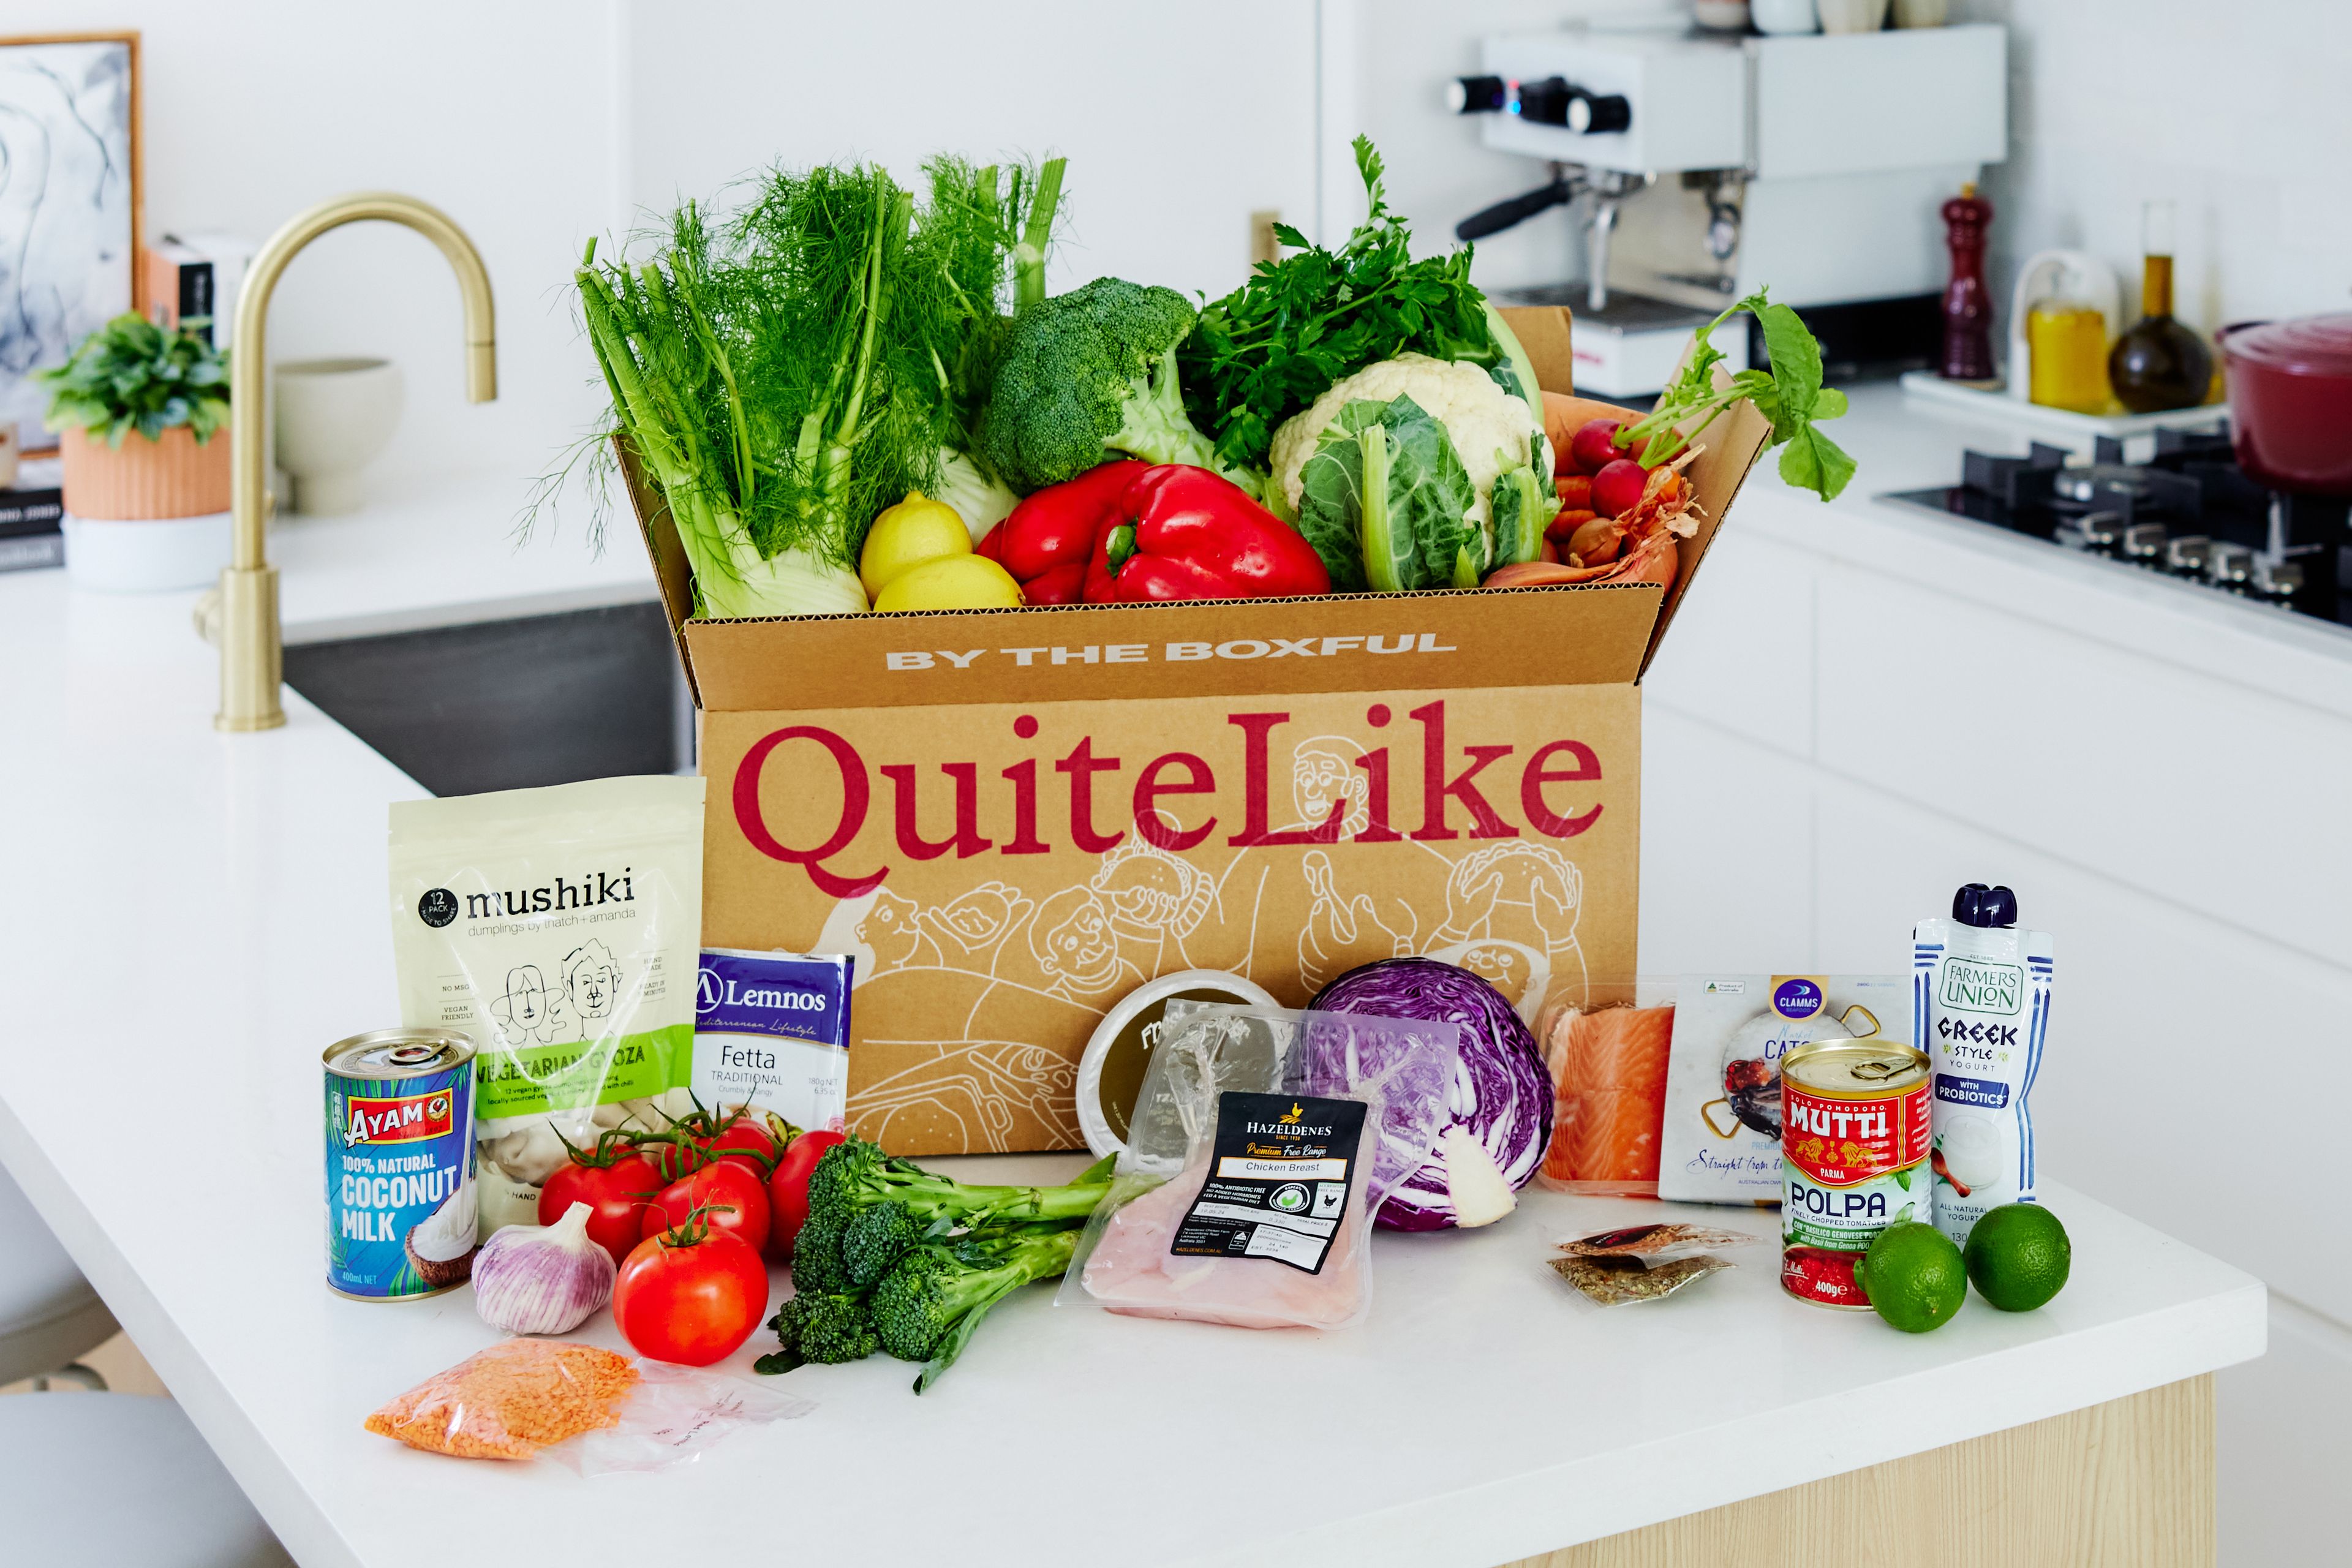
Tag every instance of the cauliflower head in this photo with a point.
(1492, 431)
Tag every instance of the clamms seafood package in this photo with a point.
(1720, 1139)
(1264, 1141)
(558, 928)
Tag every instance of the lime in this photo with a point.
(1913, 1275)
(2018, 1257)
(905, 536)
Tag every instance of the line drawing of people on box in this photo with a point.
(592, 979)
(533, 1010)
(1510, 918)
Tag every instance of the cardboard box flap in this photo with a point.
(1591, 636)
(1729, 449)
(672, 570)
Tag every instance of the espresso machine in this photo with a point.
(1699, 169)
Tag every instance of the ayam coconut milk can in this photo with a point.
(400, 1163)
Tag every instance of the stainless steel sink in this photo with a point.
(522, 699)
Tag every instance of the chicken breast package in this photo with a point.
(1263, 1143)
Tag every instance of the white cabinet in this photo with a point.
(1821, 769)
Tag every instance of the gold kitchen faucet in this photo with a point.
(252, 649)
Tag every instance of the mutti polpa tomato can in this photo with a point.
(400, 1163)
(1853, 1159)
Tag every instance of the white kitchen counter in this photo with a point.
(193, 917)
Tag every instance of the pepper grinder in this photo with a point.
(1968, 303)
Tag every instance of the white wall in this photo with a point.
(2235, 111)
(1178, 121)
(497, 113)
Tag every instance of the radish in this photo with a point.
(1594, 446)
(1617, 488)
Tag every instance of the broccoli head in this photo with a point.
(929, 1304)
(877, 1237)
(1085, 375)
(820, 1328)
(817, 1266)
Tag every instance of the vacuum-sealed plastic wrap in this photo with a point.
(1263, 1143)
(594, 1409)
(558, 928)
(1609, 1078)
(1644, 1262)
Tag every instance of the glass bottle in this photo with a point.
(2159, 364)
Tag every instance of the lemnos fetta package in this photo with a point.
(559, 929)
(772, 1031)
(1720, 1139)
(1980, 1002)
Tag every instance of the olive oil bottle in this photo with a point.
(2159, 364)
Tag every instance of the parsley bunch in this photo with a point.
(131, 375)
(1271, 347)
(1790, 394)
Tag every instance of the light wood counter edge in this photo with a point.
(2126, 1484)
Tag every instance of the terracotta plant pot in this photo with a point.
(143, 480)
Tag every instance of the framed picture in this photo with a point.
(69, 205)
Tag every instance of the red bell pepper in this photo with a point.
(1184, 532)
(1048, 539)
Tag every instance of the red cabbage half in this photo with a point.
(1502, 1095)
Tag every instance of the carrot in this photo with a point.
(1575, 491)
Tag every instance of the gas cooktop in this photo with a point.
(2189, 513)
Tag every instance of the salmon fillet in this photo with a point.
(1611, 1094)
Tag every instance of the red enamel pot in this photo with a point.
(2291, 401)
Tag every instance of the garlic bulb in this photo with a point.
(542, 1280)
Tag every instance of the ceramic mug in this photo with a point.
(1851, 16)
(1784, 15)
(334, 416)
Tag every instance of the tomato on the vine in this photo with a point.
(701, 1135)
(614, 1181)
(788, 1188)
(731, 1198)
(690, 1295)
(745, 1140)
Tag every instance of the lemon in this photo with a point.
(917, 529)
(1914, 1276)
(964, 582)
(2018, 1257)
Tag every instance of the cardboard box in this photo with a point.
(1013, 817)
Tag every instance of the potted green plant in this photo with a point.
(142, 412)
(136, 407)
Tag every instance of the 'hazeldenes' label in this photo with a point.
(1278, 1185)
